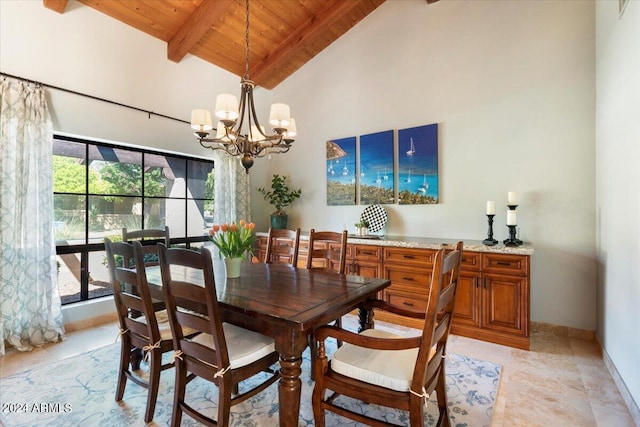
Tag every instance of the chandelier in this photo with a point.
(230, 136)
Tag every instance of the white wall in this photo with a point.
(86, 51)
(511, 85)
(618, 187)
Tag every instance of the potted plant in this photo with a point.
(362, 227)
(280, 196)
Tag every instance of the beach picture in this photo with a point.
(341, 171)
(376, 168)
(418, 165)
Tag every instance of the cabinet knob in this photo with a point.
(411, 279)
(410, 304)
(408, 256)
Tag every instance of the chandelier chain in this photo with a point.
(246, 38)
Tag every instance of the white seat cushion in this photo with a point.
(244, 346)
(391, 369)
(162, 317)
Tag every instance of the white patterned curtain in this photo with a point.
(30, 313)
(232, 201)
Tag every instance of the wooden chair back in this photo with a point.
(428, 372)
(282, 246)
(179, 295)
(140, 330)
(148, 238)
(131, 292)
(333, 254)
(206, 354)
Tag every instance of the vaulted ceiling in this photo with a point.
(284, 34)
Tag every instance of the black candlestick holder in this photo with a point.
(512, 207)
(512, 240)
(490, 241)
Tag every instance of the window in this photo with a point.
(101, 188)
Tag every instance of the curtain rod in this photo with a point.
(149, 113)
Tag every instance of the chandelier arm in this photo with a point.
(215, 144)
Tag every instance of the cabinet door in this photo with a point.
(363, 268)
(467, 305)
(505, 304)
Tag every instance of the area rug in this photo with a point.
(79, 391)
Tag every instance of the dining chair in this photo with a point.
(378, 367)
(141, 328)
(282, 246)
(222, 353)
(149, 238)
(332, 254)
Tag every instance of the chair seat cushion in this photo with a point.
(391, 369)
(164, 327)
(243, 346)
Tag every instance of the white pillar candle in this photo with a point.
(511, 217)
(511, 198)
(491, 208)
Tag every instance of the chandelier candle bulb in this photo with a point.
(491, 208)
(511, 217)
(227, 107)
(291, 131)
(511, 198)
(201, 120)
(280, 116)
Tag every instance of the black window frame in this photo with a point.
(86, 248)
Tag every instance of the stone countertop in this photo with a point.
(429, 243)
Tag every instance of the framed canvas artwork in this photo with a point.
(376, 168)
(341, 171)
(418, 165)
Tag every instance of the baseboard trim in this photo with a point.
(564, 331)
(632, 405)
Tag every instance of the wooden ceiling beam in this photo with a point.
(56, 5)
(297, 41)
(196, 27)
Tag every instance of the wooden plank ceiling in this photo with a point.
(284, 34)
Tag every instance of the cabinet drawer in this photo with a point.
(409, 277)
(470, 261)
(367, 253)
(505, 263)
(410, 256)
(405, 300)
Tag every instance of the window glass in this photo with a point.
(99, 189)
(117, 171)
(165, 176)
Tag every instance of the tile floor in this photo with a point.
(562, 381)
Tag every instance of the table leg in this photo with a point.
(366, 319)
(290, 347)
(289, 390)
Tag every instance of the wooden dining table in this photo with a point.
(285, 303)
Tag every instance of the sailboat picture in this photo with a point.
(376, 157)
(423, 188)
(412, 149)
(418, 148)
(341, 184)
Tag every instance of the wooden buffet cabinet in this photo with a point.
(492, 301)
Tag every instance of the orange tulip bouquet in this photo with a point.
(233, 240)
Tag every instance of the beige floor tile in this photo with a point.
(561, 382)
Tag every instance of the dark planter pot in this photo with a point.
(278, 222)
